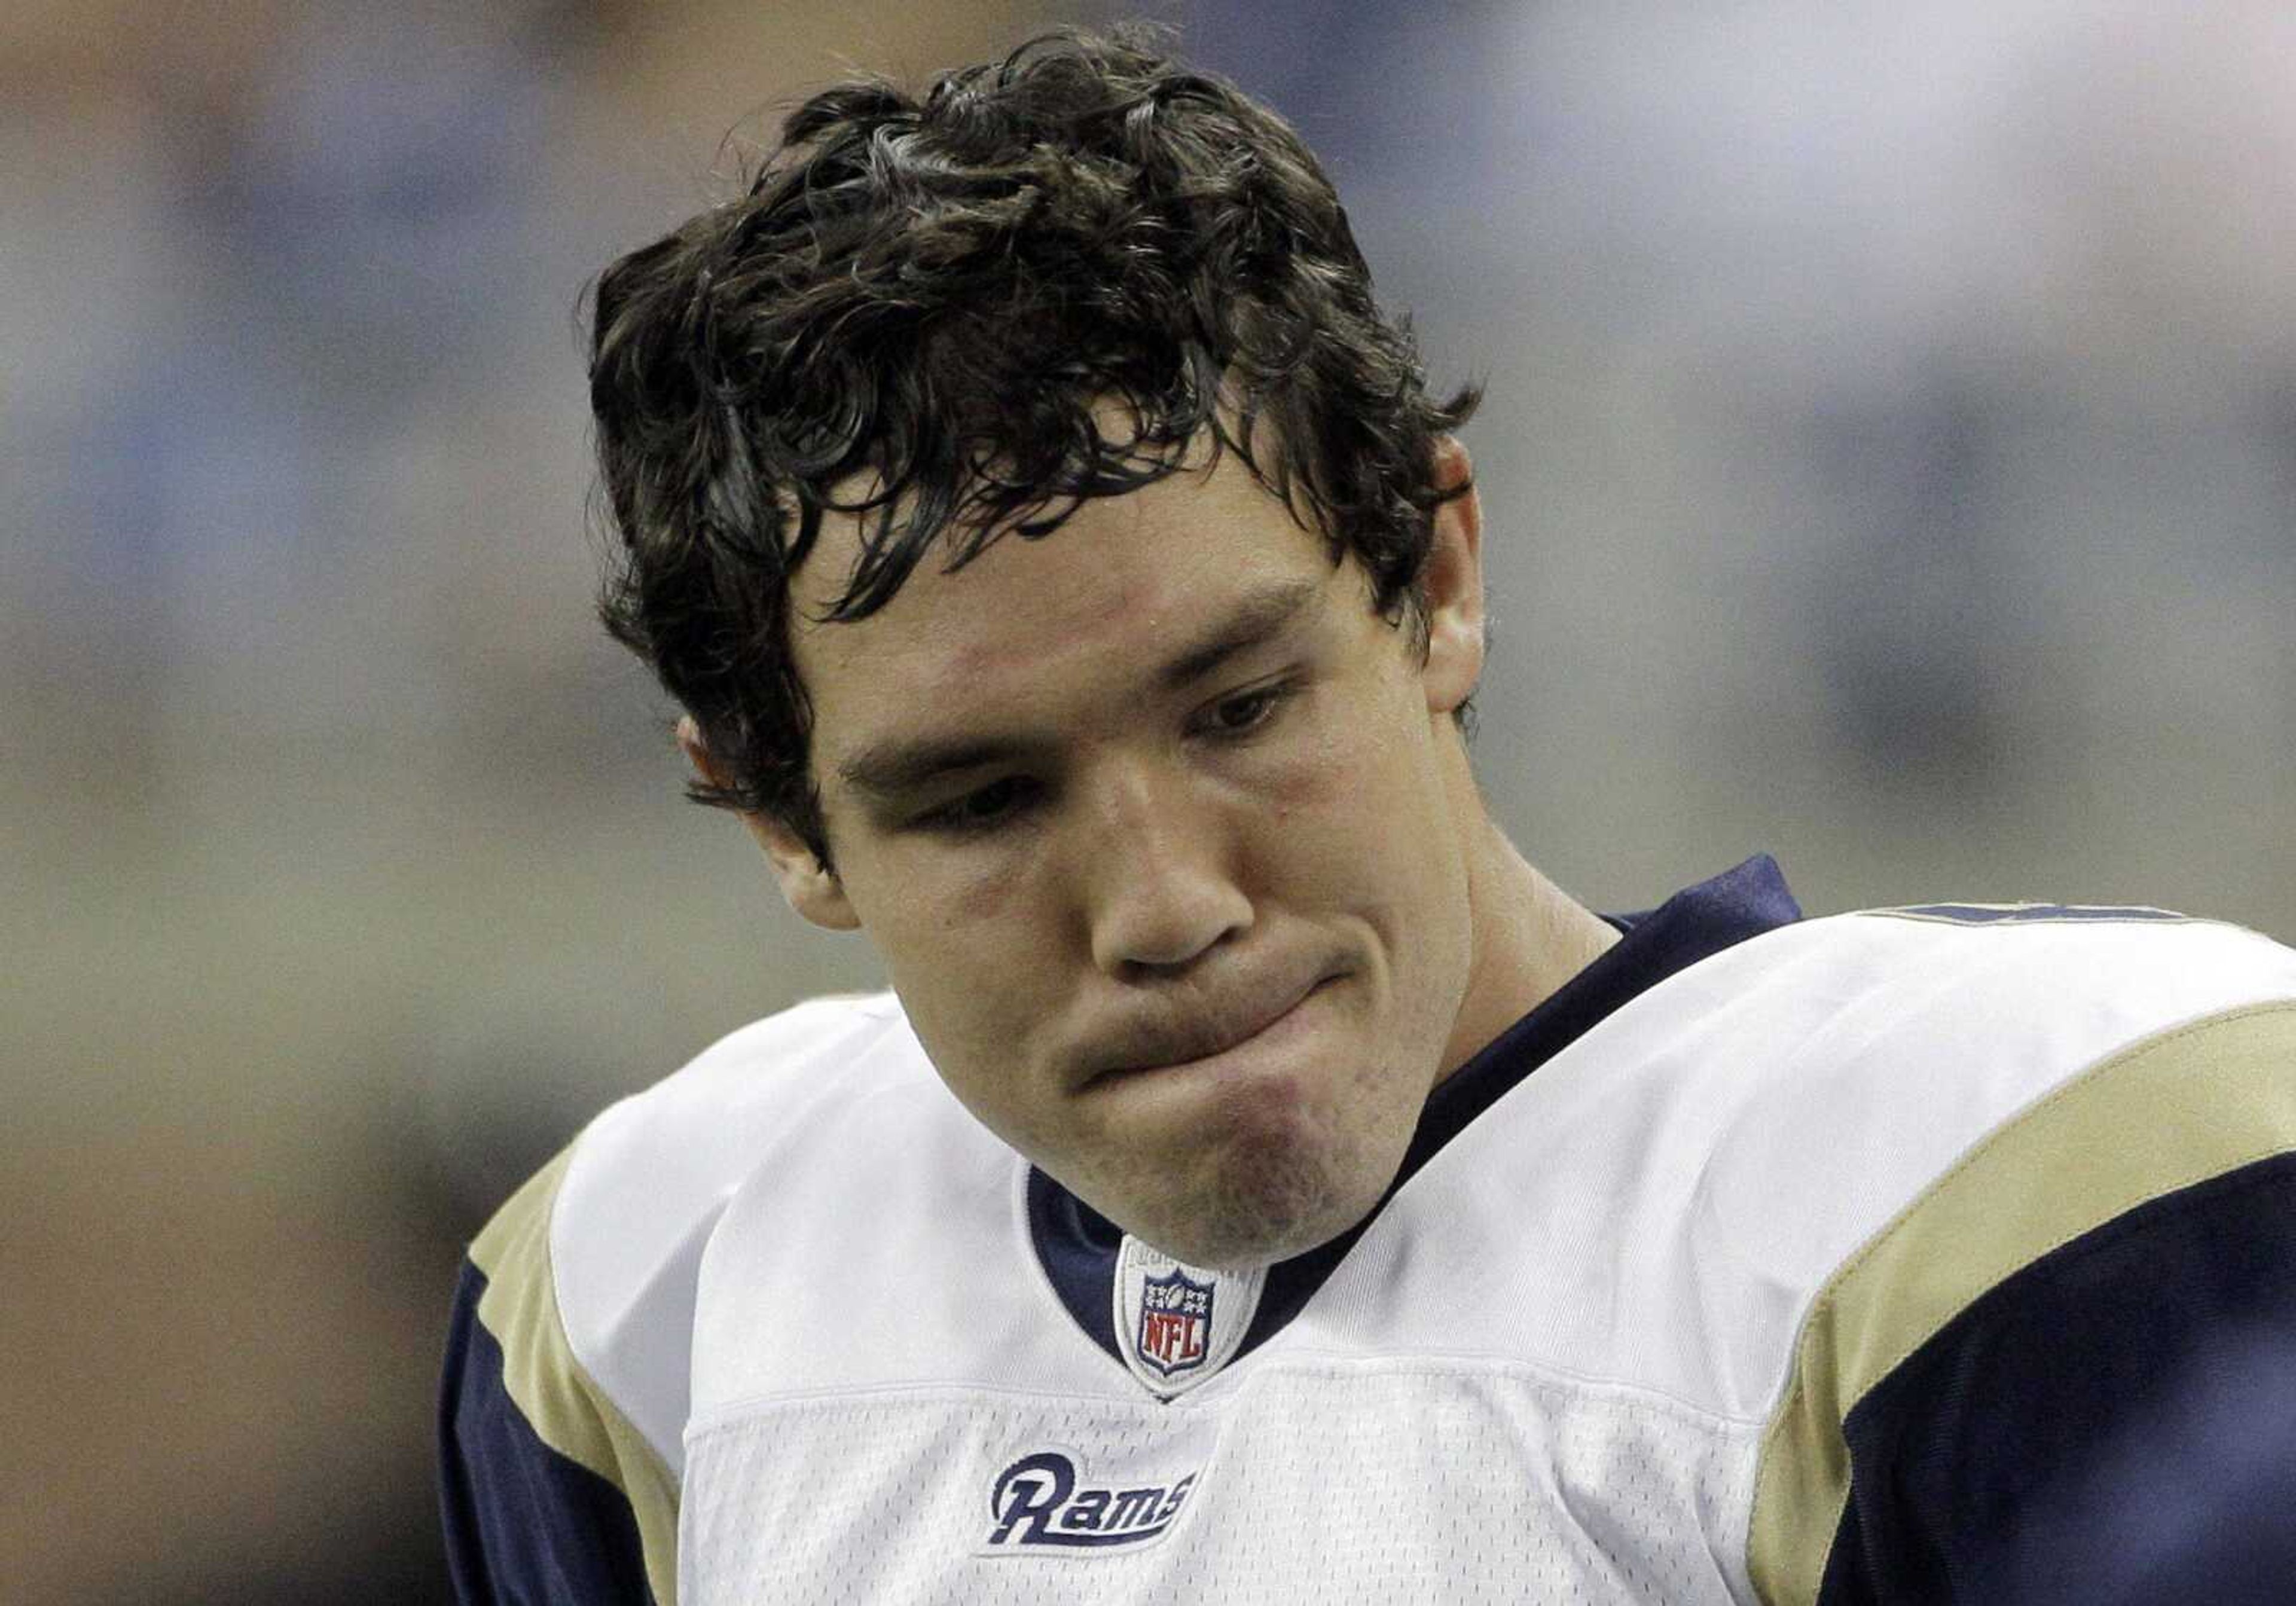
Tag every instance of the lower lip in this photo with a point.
(1265, 1050)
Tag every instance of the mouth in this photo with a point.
(1201, 1045)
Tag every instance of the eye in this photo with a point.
(1246, 711)
(981, 809)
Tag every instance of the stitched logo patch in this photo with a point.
(1176, 1325)
(1043, 1500)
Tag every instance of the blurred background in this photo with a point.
(1889, 462)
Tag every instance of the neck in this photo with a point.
(1530, 938)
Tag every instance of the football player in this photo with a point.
(1260, 1182)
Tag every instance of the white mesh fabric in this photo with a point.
(1341, 1485)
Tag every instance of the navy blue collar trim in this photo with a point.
(1077, 1245)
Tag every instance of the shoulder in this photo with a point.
(2021, 1163)
(564, 1394)
(1816, 1078)
(1883, 1043)
(1931, 960)
(602, 1247)
(1903, 1057)
(1847, 1072)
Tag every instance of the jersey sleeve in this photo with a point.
(2068, 1369)
(547, 1492)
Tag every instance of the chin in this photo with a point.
(1265, 1207)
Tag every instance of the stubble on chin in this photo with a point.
(1266, 1203)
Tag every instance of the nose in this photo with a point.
(1160, 886)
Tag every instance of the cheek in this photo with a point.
(968, 964)
(1341, 744)
(937, 952)
(934, 905)
(1365, 782)
(968, 905)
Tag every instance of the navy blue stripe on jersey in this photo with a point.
(524, 1526)
(1077, 1246)
(2112, 1425)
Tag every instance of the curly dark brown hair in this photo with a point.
(952, 302)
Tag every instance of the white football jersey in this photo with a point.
(1602, 1346)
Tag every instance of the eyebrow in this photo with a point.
(894, 766)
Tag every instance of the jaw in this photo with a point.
(1280, 1172)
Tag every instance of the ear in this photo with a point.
(1454, 584)
(810, 886)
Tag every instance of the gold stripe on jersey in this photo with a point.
(552, 1390)
(2164, 1114)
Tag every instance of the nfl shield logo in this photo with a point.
(1176, 1323)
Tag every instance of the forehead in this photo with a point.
(1104, 598)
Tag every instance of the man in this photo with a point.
(1068, 581)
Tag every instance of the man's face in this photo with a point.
(1162, 834)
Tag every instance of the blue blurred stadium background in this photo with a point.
(1889, 462)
